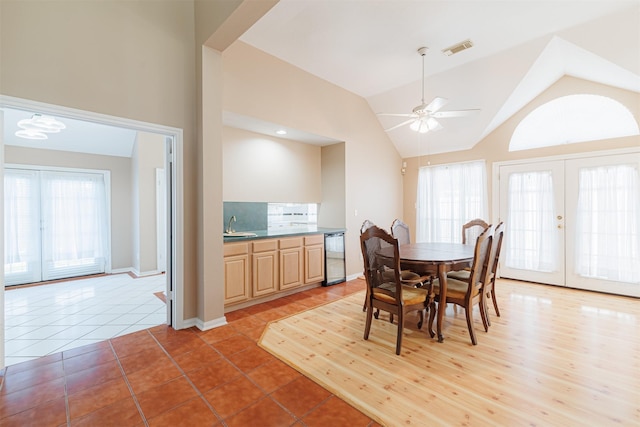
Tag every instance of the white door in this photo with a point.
(532, 207)
(573, 222)
(55, 225)
(604, 224)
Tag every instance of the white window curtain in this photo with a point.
(531, 237)
(55, 225)
(608, 223)
(21, 226)
(448, 197)
(74, 224)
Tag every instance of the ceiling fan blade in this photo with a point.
(454, 113)
(399, 125)
(438, 126)
(436, 104)
(396, 114)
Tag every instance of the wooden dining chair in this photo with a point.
(467, 293)
(390, 295)
(472, 229)
(400, 231)
(494, 262)
(494, 259)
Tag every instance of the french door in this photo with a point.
(55, 225)
(573, 222)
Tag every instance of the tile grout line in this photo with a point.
(186, 377)
(126, 380)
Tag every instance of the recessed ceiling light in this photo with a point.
(281, 132)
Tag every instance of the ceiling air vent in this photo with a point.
(459, 47)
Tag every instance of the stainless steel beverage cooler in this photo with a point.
(334, 266)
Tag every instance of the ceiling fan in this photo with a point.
(423, 117)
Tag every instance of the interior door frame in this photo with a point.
(495, 172)
(174, 141)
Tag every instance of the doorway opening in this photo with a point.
(167, 206)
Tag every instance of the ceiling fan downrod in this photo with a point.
(423, 51)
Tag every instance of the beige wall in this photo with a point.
(332, 212)
(495, 147)
(260, 168)
(262, 86)
(120, 168)
(130, 59)
(149, 156)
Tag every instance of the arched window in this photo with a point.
(573, 118)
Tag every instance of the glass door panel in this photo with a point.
(532, 207)
(603, 224)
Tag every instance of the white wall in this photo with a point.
(149, 156)
(260, 168)
(129, 59)
(262, 86)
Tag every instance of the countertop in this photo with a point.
(286, 232)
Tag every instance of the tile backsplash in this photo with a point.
(250, 216)
(253, 216)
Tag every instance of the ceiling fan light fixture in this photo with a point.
(420, 125)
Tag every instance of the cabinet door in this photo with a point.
(291, 268)
(236, 278)
(264, 273)
(313, 264)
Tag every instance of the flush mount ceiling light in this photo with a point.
(281, 132)
(38, 126)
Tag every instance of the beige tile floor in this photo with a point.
(46, 319)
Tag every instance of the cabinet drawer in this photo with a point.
(292, 242)
(316, 239)
(231, 249)
(265, 245)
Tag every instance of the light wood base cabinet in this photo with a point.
(264, 267)
(314, 259)
(291, 265)
(236, 272)
(261, 268)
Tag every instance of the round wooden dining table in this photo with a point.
(433, 259)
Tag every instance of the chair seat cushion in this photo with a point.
(408, 277)
(459, 275)
(410, 295)
(455, 288)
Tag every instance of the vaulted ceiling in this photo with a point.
(369, 47)
(520, 48)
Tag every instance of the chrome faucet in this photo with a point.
(229, 229)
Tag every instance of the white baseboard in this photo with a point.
(211, 324)
(355, 276)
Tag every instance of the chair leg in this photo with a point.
(421, 321)
(367, 326)
(484, 312)
(400, 332)
(472, 332)
(495, 302)
(432, 315)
